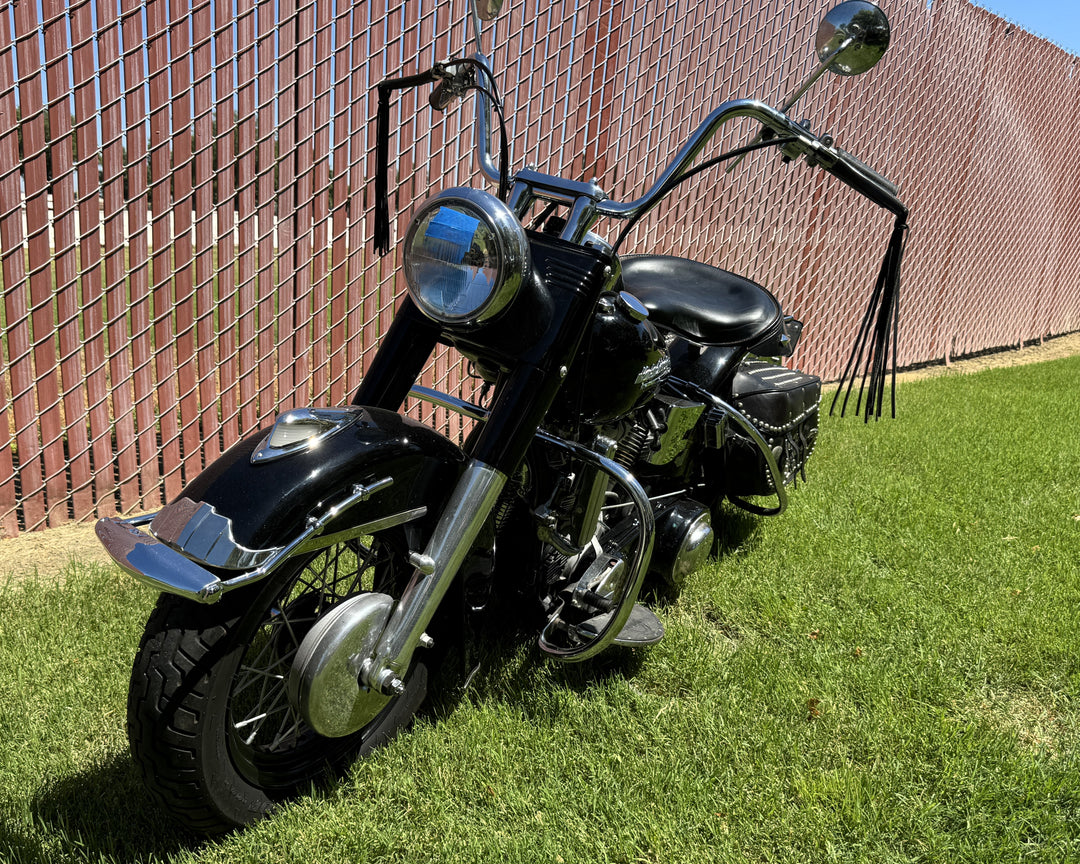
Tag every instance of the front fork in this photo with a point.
(472, 500)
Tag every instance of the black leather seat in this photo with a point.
(704, 304)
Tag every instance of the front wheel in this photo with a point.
(209, 720)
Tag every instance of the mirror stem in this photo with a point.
(476, 25)
(797, 94)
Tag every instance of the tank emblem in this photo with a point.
(653, 375)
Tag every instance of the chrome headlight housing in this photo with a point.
(466, 256)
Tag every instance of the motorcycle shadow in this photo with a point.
(732, 528)
(102, 813)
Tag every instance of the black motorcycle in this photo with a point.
(313, 573)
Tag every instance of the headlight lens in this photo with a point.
(466, 255)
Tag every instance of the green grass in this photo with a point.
(888, 672)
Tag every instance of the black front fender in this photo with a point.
(242, 517)
(268, 503)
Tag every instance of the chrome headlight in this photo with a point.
(466, 256)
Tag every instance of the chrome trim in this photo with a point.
(482, 129)
(451, 403)
(646, 530)
(321, 541)
(155, 564)
(515, 263)
(321, 682)
(680, 421)
(315, 525)
(597, 484)
(151, 561)
(581, 219)
(646, 538)
(201, 533)
(730, 412)
(472, 500)
(329, 420)
(775, 120)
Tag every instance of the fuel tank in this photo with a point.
(619, 367)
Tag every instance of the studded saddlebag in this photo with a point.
(783, 405)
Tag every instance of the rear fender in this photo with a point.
(248, 512)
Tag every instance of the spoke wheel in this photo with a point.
(209, 719)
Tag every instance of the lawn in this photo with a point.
(887, 672)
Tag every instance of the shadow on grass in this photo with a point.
(103, 814)
(506, 664)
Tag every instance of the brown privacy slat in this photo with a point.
(123, 470)
(246, 143)
(165, 433)
(339, 275)
(138, 270)
(191, 254)
(286, 293)
(185, 460)
(206, 426)
(72, 445)
(12, 270)
(15, 365)
(305, 303)
(37, 435)
(220, 288)
(364, 74)
(322, 231)
(267, 252)
(98, 463)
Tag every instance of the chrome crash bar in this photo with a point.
(646, 526)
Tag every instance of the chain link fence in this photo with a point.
(186, 198)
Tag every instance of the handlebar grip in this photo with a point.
(864, 179)
(878, 178)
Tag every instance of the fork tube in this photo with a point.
(472, 500)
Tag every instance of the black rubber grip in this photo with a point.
(880, 179)
(865, 180)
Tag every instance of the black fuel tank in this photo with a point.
(619, 367)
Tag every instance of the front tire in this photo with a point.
(209, 721)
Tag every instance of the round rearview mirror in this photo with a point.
(852, 37)
(487, 10)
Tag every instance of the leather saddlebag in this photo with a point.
(783, 405)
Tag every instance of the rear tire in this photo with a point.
(209, 721)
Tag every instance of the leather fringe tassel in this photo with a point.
(877, 334)
(381, 229)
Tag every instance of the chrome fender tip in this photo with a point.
(153, 563)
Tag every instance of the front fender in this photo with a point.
(242, 517)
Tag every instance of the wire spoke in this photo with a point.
(275, 707)
(268, 721)
(285, 731)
